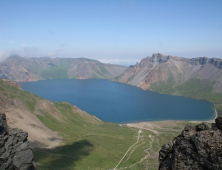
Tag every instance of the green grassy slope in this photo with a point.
(11, 92)
(103, 146)
(88, 143)
(200, 89)
(56, 72)
(194, 88)
(164, 87)
(167, 86)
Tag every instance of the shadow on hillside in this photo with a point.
(62, 157)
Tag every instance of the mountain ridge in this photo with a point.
(32, 69)
(199, 78)
(183, 68)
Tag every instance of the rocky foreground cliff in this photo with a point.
(197, 147)
(15, 150)
(32, 69)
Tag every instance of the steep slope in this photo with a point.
(77, 140)
(31, 69)
(178, 76)
(23, 110)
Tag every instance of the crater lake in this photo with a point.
(120, 103)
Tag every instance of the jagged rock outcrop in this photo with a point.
(204, 60)
(197, 147)
(170, 71)
(15, 151)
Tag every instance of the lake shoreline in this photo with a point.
(208, 121)
(121, 103)
(150, 125)
(216, 111)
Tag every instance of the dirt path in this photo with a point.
(133, 151)
(143, 125)
(138, 138)
(144, 158)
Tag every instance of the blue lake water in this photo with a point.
(120, 103)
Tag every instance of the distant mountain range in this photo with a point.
(80, 140)
(32, 69)
(200, 78)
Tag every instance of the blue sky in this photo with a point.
(116, 31)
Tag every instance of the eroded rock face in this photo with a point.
(13, 83)
(15, 151)
(197, 147)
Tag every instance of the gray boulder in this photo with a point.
(15, 150)
(197, 147)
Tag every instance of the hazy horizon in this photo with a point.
(117, 32)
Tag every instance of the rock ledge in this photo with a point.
(197, 147)
(15, 151)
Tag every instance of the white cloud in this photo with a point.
(56, 53)
(29, 51)
(3, 55)
(24, 51)
(51, 55)
(119, 61)
(65, 52)
(32, 51)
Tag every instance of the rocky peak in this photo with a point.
(198, 61)
(216, 62)
(143, 63)
(15, 151)
(160, 58)
(157, 58)
(197, 147)
(204, 60)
